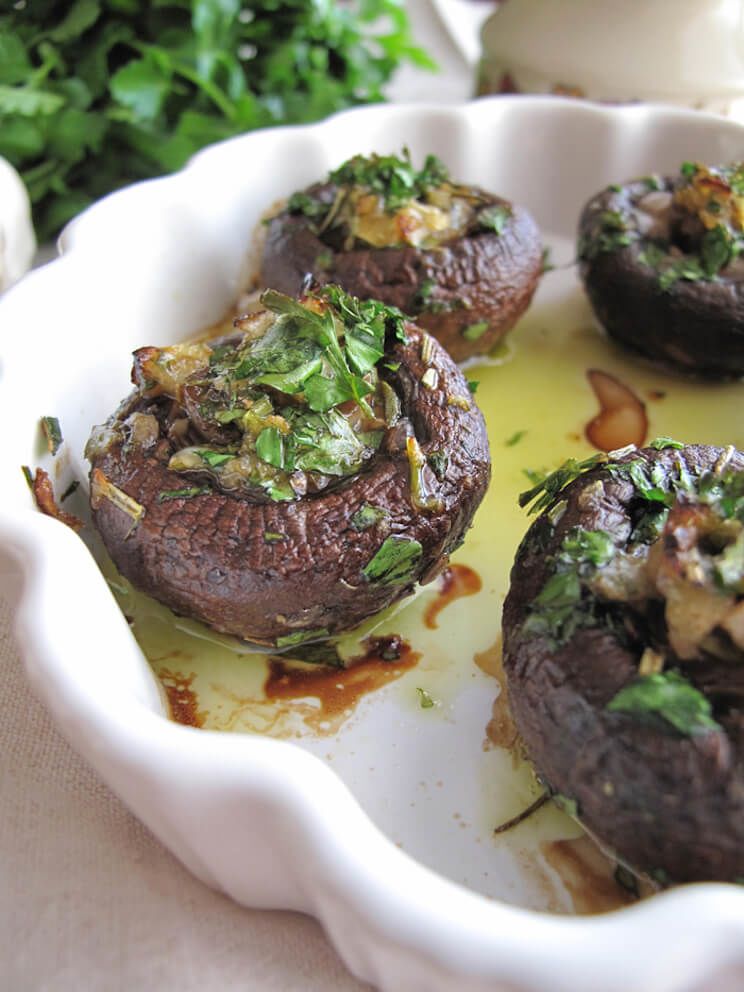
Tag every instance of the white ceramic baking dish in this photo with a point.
(265, 821)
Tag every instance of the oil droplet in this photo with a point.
(622, 418)
(455, 581)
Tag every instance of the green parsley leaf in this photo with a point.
(473, 386)
(669, 696)
(300, 637)
(301, 203)
(438, 462)
(547, 488)
(661, 442)
(426, 701)
(270, 447)
(653, 256)
(168, 494)
(716, 250)
(367, 516)
(52, 433)
(475, 331)
(395, 561)
(214, 458)
(515, 438)
(593, 546)
(392, 176)
(73, 487)
(688, 170)
(729, 565)
(494, 218)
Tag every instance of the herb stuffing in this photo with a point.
(385, 201)
(298, 399)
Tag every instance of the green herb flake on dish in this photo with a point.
(426, 700)
(53, 433)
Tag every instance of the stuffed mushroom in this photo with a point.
(286, 482)
(463, 262)
(624, 653)
(660, 262)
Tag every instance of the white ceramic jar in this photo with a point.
(684, 52)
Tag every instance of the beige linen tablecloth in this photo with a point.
(88, 898)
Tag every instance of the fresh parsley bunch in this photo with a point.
(95, 94)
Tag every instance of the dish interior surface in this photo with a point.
(411, 742)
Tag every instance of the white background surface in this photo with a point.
(89, 899)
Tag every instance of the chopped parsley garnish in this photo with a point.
(438, 462)
(273, 537)
(661, 442)
(393, 177)
(515, 438)
(612, 233)
(367, 516)
(287, 396)
(724, 492)
(302, 203)
(52, 433)
(395, 562)
(688, 269)
(475, 331)
(667, 696)
(270, 447)
(188, 493)
(559, 609)
(593, 546)
(215, 458)
(300, 637)
(473, 386)
(547, 488)
(73, 487)
(494, 218)
(426, 700)
(652, 255)
(424, 293)
(652, 183)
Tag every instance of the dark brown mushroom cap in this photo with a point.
(208, 557)
(666, 804)
(481, 277)
(695, 327)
